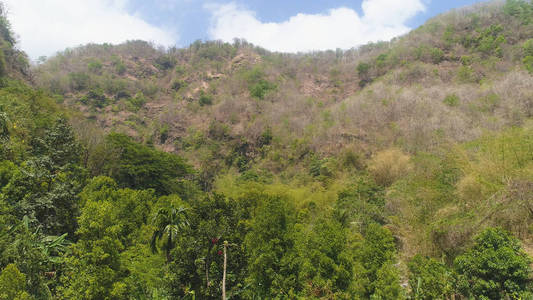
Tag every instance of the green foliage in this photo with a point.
(12, 284)
(495, 267)
(488, 41)
(108, 227)
(269, 243)
(79, 81)
(137, 101)
(528, 55)
(451, 100)
(178, 84)
(437, 55)
(326, 266)
(522, 9)
(363, 203)
(197, 263)
(94, 66)
(205, 99)
(96, 97)
(387, 284)
(375, 254)
(362, 69)
(430, 279)
(528, 63)
(144, 167)
(258, 86)
(169, 222)
(465, 74)
(165, 62)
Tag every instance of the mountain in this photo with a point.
(400, 169)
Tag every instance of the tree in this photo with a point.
(12, 284)
(112, 221)
(169, 221)
(495, 267)
(377, 250)
(141, 167)
(430, 279)
(270, 246)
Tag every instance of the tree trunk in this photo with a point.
(207, 272)
(224, 274)
(169, 246)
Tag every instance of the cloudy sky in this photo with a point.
(47, 26)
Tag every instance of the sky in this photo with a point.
(45, 27)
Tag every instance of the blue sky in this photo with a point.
(192, 20)
(48, 26)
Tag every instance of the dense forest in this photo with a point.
(395, 170)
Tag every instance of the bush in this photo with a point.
(178, 84)
(389, 165)
(430, 279)
(97, 97)
(12, 284)
(466, 75)
(205, 99)
(79, 81)
(519, 8)
(437, 55)
(142, 167)
(258, 86)
(528, 63)
(451, 100)
(138, 101)
(94, 66)
(496, 267)
(165, 62)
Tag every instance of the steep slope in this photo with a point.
(449, 80)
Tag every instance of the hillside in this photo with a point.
(396, 170)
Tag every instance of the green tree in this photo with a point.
(141, 167)
(12, 284)
(495, 267)
(270, 246)
(111, 223)
(430, 279)
(169, 222)
(377, 250)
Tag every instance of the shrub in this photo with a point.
(519, 8)
(258, 86)
(437, 55)
(97, 97)
(389, 165)
(496, 267)
(430, 279)
(451, 100)
(362, 69)
(165, 62)
(138, 101)
(177, 84)
(12, 284)
(466, 75)
(94, 66)
(205, 99)
(79, 81)
(528, 63)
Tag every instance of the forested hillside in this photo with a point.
(396, 170)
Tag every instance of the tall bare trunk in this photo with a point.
(224, 274)
(207, 272)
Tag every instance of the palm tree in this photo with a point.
(168, 221)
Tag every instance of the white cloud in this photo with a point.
(48, 26)
(339, 28)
